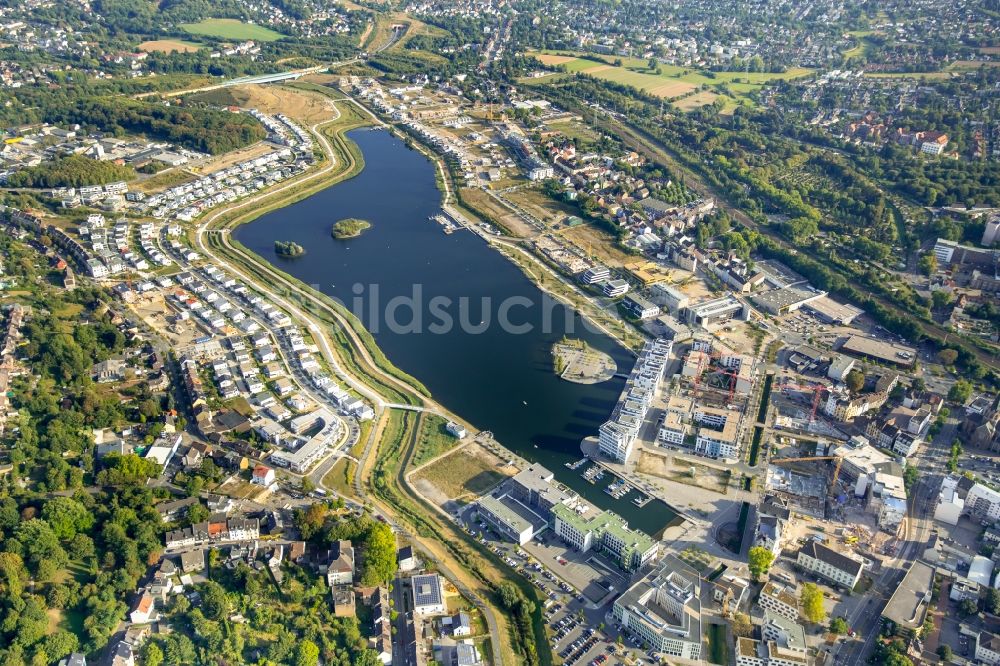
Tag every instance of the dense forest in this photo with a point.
(204, 130)
(71, 171)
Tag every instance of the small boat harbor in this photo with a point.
(618, 488)
(448, 225)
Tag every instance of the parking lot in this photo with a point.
(571, 616)
(584, 572)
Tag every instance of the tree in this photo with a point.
(197, 513)
(811, 599)
(992, 604)
(66, 517)
(152, 655)
(306, 654)
(960, 391)
(855, 380)
(367, 658)
(940, 298)
(39, 544)
(215, 601)
(838, 625)
(947, 357)
(509, 594)
(928, 264)
(741, 625)
(945, 652)
(380, 555)
(760, 560)
(968, 607)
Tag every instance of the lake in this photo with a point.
(451, 311)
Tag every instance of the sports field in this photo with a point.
(168, 46)
(670, 82)
(231, 29)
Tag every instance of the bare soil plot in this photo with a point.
(480, 200)
(552, 60)
(302, 105)
(596, 243)
(536, 203)
(666, 466)
(232, 157)
(168, 46)
(162, 180)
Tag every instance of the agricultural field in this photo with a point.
(671, 82)
(231, 29)
(169, 46)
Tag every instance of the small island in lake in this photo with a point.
(350, 227)
(578, 362)
(288, 249)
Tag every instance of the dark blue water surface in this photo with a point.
(497, 379)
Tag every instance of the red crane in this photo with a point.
(815, 389)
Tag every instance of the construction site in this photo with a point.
(853, 492)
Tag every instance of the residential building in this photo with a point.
(788, 634)
(405, 559)
(145, 609)
(776, 598)
(988, 648)
(262, 475)
(983, 503)
(830, 564)
(428, 597)
(615, 288)
(340, 570)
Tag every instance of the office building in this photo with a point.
(663, 610)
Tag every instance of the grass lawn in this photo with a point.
(864, 44)
(718, 649)
(461, 474)
(340, 477)
(432, 440)
(574, 129)
(231, 29)
(359, 446)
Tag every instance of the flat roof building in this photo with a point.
(832, 312)
(877, 350)
(716, 312)
(428, 597)
(586, 527)
(782, 301)
(663, 610)
(908, 605)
